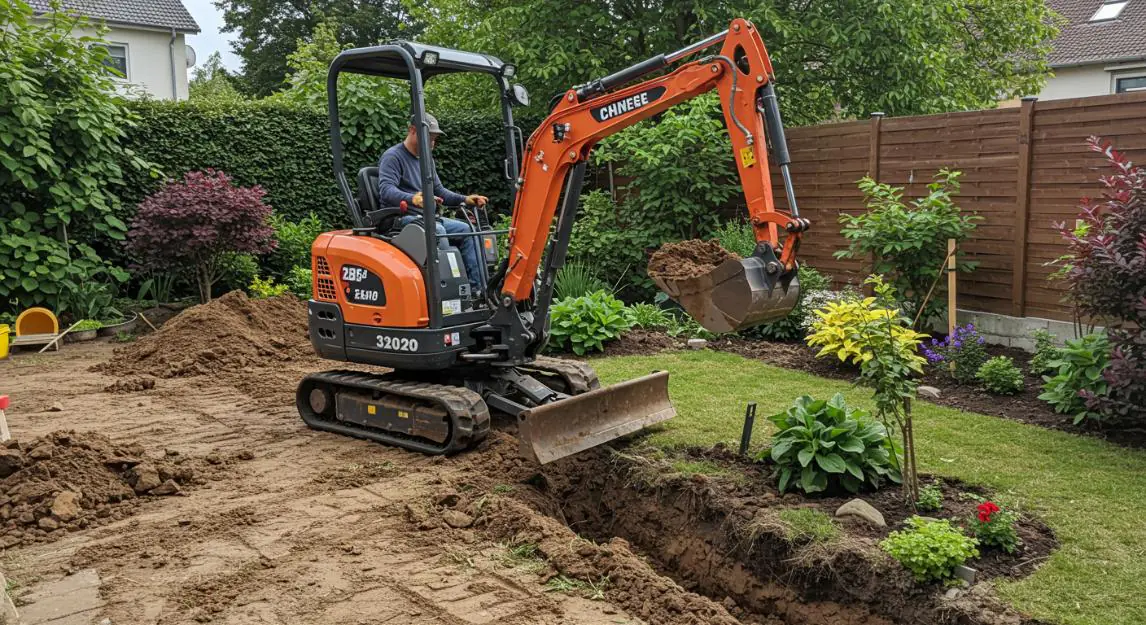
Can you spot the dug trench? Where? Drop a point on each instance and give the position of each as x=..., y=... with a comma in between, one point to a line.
x=674, y=548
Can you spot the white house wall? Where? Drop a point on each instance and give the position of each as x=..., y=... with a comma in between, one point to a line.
x=1077, y=82
x=149, y=60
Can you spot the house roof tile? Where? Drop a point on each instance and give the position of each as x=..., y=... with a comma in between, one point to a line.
x=153, y=13
x=1082, y=41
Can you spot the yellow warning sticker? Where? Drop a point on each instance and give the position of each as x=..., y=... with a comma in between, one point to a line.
x=747, y=156
x=403, y=414
x=371, y=410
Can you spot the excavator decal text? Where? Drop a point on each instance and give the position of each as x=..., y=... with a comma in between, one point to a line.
x=630, y=103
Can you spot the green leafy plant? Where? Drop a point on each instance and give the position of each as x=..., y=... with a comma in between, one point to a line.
x=124, y=337
x=87, y=324
x=931, y=497
x=821, y=444
x=683, y=325
x=846, y=330
x=909, y=241
x=880, y=340
x=575, y=279
x=1078, y=369
x=300, y=281
x=650, y=317
x=930, y=549
x=995, y=527
x=586, y=323
x=91, y=299
x=294, y=241
x=159, y=286
x=1046, y=350
x=261, y=288
x=1000, y=376
x=737, y=237
x=62, y=157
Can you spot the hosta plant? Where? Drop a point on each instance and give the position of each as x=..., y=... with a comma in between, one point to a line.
x=821, y=444
x=584, y=324
x=845, y=329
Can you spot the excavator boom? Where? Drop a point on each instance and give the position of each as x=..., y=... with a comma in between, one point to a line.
x=729, y=298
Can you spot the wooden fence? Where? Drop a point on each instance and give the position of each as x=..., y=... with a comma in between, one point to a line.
x=1025, y=168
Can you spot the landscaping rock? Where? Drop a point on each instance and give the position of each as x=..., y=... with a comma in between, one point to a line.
x=40, y=452
x=860, y=509
x=56, y=407
x=144, y=477
x=66, y=505
x=454, y=518
x=697, y=343
x=48, y=523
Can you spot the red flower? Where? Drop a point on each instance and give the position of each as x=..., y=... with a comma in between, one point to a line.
x=986, y=509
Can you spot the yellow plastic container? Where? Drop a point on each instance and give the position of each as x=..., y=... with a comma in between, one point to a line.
x=3, y=341
x=37, y=321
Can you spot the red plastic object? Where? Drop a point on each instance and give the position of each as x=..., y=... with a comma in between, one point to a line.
x=3, y=402
x=405, y=207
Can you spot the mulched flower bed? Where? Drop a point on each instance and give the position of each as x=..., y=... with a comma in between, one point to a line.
x=1024, y=407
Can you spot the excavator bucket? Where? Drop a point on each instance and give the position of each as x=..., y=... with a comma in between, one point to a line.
x=574, y=424
x=735, y=295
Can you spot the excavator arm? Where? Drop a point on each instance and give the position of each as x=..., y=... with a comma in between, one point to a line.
x=556, y=153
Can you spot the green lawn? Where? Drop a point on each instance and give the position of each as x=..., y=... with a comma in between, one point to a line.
x=1093, y=494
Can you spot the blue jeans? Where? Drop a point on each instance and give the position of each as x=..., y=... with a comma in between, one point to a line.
x=468, y=245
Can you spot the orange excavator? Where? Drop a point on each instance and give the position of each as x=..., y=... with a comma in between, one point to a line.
x=399, y=297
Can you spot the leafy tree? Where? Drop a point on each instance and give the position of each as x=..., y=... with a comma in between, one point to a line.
x=61, y=158
x=213, y=82
x=198, y=224
x=373, y=112
x=845, y=58
x=909, y=241
x=269, y=31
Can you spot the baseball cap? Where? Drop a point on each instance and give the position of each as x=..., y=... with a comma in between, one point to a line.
x=431, y=121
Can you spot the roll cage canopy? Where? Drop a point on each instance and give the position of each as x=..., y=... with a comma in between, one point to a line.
x=390, y=60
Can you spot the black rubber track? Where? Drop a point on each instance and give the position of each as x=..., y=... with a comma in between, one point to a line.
x=469, y=416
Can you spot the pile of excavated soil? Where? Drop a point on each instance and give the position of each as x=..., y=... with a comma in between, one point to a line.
x=67, y=481
x=687, y=259
x=230, y=334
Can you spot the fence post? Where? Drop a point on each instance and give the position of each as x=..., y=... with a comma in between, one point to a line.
x=1022, y=208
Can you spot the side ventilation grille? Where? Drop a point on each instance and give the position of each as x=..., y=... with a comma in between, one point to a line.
x=323, y=285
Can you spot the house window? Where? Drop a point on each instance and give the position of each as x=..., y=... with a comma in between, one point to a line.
x=1109, y=11
x=1130, y=83
x=116, y=58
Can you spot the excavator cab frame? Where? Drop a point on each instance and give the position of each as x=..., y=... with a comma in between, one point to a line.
x=417, y=63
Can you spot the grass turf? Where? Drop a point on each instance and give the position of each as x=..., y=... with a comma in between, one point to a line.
x=1092, y=493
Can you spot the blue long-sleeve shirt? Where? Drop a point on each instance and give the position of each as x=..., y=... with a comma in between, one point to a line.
x=400, y=177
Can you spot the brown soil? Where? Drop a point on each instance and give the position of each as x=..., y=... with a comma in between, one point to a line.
x=718, y=552
x=67, y=481
x=687, y=259
x=292, y=525
x=1024, y=407
x=229, y=334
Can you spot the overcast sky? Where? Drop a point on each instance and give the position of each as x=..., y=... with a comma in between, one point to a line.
x=211, y=38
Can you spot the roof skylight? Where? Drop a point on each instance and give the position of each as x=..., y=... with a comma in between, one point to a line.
x=1109, y=10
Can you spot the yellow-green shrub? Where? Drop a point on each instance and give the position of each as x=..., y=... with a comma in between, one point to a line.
x=844, y=329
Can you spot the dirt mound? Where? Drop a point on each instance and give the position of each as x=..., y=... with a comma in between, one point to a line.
x=131, y=384
x=67, y=481
x=687, y=259
x=231, y=333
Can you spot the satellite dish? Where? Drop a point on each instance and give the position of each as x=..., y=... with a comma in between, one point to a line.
x=190, y=56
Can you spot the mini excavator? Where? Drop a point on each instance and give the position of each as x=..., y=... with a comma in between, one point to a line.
x=398, y=296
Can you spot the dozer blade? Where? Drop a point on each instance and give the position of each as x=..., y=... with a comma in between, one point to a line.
x=574, y=424
x=736, y=295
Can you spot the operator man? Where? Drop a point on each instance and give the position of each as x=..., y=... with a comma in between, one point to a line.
x=400, y=179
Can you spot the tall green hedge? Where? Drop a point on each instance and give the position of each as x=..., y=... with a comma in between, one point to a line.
x=286, y=149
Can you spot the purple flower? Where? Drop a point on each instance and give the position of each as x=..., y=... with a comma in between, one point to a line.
x=957, y=344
